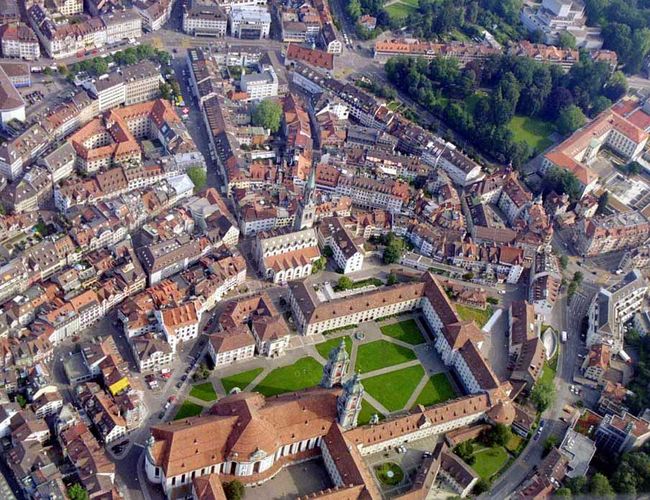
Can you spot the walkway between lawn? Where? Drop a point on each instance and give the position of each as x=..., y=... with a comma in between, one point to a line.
x=378, y=406
x=416, y=393
x=389, y=369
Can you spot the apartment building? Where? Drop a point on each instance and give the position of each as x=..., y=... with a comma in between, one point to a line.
x=229, y=5
x=131, y=85
x=347, y=253
x=151, y=354
x=261, y=85
x=619, y=434
x=16, y=153
x=614, y=306
x=19, y=40
x=205, y=18
x=179, y=324
x=68, y=7
x=525, y=346
x=545, y=282
x=250, y=23
x=462, y=51
x=154, y=13
x=460, y=168
x=621, y=231
x=373, y=193
x=122, y=25
x=285, y=255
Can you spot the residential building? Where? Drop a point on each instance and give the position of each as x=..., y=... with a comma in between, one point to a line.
x=545, y=282
x=179, y=323
x=261, y=85
x=19, y=40
x=347, y=253
x=122, y=25
x=151, y=354
x=154, y=13
x=614, y=306
x=619, y=434
x=231, y=345
x=611, y=233
x=462, y=51
x=460, y=168
x=48, y=403
x=579, y=450
x=250, y=23
x=372, y=193
x=596, y=362
x=525, y=345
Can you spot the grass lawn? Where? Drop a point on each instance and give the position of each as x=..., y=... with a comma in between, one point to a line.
x=324, y=348
x=240, y=380
x=389, y=473
x=204, y=392
x=399, y=11
x=406, y=331
x=489, y=461
x=367, y=411
x=548, y=373
x=532, y=131
x=305, y=372
x=480, y=316
x=380, y=354
x=188, y=409
x=513, y=443
x=394, y=105
x=394, y=389
x=437, y=390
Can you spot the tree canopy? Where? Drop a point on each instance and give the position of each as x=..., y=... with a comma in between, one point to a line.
x=570, y=119
x=268, y=114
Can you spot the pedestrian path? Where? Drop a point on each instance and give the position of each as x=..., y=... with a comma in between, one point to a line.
x=416, y=392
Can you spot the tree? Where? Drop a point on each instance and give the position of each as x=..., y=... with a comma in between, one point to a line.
x=344, y=283
x=391, y=279
x=564, y=261
x=465, y=450
x=577, y=485
x=165, y=91
x=549, y=444
x=633, y=168
x=500, y=434
x=543, y=394
x=319, y=264
x=268, y=114
x=616, y=87
x=562, y=492
x=570, y=119
x=21, y=400
x=603, y=199
x=354, y=9
x=63, y=69
x=394, y=249
x=77, y=492
x=558, y=99
x=481, y=486
x=468, y=276
x=48, y=71
x=566, y=40
x=198, y=177
x=99, y=66
x=599, y=486
x=234, y=490
x=578, y=277
x=599, y=104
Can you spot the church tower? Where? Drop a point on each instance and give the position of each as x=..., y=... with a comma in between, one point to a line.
x=336, y=367
x=348, y=405
x=306, y=212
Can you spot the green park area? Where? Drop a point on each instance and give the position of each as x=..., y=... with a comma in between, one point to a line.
x=188, y=409
x=381, y=354
x=479, y=316
x=304, y=373
x=204, y=392
x=437, y=390
x=532, y=131
x=389, y=474
x=240, y=380
x=324, y=348
x=394, y=389
x=406, y=331
x=399, y=10
x=489, y=461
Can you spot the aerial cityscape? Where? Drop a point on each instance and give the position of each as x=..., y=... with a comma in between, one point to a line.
x=327, y=249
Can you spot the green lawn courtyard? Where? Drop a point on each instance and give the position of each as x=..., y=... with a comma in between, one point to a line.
x=532, y=131
x=479, y=316
x=381, y=354
x=489, y=461
x=304, y=373
x=394, y=389
x=188, y=409
x=240, y=380
x=437, y=390
x=204, y=392
x=400, y=10
x=324, y=348
x=406, y=331
x=367, y=411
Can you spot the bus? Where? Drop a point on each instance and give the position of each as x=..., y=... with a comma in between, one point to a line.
x=564, y=336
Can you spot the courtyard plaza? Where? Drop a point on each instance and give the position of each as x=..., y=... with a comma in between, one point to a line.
x=398, y=366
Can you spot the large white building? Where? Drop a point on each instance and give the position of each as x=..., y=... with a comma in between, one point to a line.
x=180, y=323
x=12, y=107
x=612, y=307
x=18, y=40
x=250, y=23
x=347, y=254
x=372, y=193
x=122, y=25
x=461, y=169
x=284, y=255
x=205, y=18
